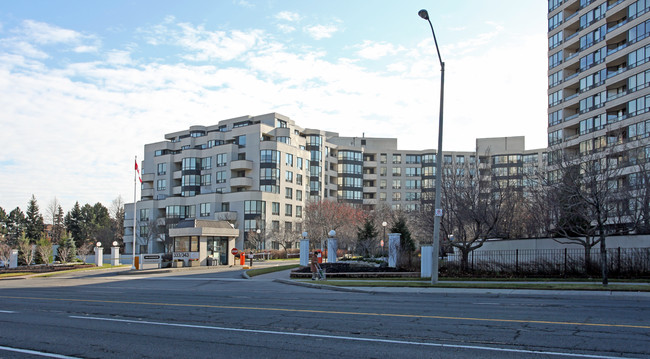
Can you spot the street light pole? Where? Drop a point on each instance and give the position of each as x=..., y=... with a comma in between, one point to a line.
x=438, y=211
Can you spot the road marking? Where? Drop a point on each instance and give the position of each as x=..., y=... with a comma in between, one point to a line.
x=390, y=315
x=7, y=311
x=359, y=339
x=34, y=352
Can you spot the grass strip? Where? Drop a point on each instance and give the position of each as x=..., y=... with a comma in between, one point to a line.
x=487, y=285
x=260, y=271
x=14, y=274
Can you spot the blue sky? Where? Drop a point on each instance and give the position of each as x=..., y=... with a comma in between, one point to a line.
x=85, y=84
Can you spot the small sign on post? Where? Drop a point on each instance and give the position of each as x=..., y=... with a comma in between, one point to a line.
x=234, y=251
x=438, y=212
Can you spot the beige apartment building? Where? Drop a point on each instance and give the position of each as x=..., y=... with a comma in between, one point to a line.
x=599, y=72
x=259, y=172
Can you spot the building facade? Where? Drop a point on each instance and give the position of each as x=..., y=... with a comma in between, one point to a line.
x=599, y=72
x=259, y=173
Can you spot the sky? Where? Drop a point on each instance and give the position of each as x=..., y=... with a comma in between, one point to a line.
x=84, y=85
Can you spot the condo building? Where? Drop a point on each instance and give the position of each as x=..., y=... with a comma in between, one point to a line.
x=599, y=72
x=259, y=172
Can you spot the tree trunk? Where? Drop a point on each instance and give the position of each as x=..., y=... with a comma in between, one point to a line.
x=587, y=257
x=603, y=259
x=464, y=262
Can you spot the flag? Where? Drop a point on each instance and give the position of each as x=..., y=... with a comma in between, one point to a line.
x=137, y=170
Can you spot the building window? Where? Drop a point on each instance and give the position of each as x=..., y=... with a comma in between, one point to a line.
x=288, y=193
x=269, y=156
x=298, y=179
x=225, y=207
x=221, y=177
x=288, y=176
x=397, y=184
x=288, y=159
x=206, y=163
x=205, y=209
x=275, y=208
x=397, y=171
x=383, y=158
x=161, y=184
x=206, y=180
x=222, y=159
x=288, y=209
x=397, y=159
x=254, y=207
x=397, y=196
x=299, y=211
x=298, y=195
x=144, y=214
x=162, y=168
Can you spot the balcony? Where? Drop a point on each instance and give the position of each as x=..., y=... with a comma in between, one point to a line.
x=241, y=165
x=241, y=182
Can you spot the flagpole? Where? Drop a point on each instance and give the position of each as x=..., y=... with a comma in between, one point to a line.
x=135, y=175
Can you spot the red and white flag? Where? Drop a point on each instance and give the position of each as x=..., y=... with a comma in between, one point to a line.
x=137, y=170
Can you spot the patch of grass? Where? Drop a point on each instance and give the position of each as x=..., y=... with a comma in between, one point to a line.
x=260, y=271
x=487, y=285
x=519, y=279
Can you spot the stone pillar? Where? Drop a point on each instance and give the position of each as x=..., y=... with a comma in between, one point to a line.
x=304, y=252
x=99, y=256
x=393, y=249
x=13, y=259
x=115, y=256
x=425, y=261
x=332, y=247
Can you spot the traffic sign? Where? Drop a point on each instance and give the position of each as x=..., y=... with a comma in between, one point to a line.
x=234, y=251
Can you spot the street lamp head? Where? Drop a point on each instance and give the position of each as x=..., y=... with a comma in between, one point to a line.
x=115, y=243
x=259, y=231
x=98, y=244
x=384, y=224
x=304, y=234
x=423, y=14
x=332, y=233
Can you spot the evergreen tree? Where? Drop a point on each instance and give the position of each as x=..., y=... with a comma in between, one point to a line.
x=366, y=238
x=67, y=249
x=406, y=242
x=58, y=227
x=34, y=224
x=3, y=223
x=15, y=226
x=74, y=222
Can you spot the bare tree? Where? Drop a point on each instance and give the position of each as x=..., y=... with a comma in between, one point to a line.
x=85, y=250
x=473, y=206
x=44, y=249
x=52, y=209
x=5, y=253
x=585, y=192
x=324, y=216
x=26, y=250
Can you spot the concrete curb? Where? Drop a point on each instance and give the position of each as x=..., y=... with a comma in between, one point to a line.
x=322, y=286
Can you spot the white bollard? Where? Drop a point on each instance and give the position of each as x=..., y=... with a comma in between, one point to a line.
x=425, y=261
x=115, y=256
x=393, y=249
x=99, y=256
x=13, y=260
x=332, y=248
x=304, y=252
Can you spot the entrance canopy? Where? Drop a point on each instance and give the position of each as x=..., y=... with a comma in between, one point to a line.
x=210, y=235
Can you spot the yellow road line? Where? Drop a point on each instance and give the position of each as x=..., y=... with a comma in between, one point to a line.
x=337, y=312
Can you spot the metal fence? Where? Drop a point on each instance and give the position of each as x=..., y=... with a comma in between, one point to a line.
x=620, y=261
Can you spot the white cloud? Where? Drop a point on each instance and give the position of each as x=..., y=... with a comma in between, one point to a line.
x=376, y=50
x=288, y=16
x=43, y=33
x=319, y=32
x=285, y=28
x=203, y=44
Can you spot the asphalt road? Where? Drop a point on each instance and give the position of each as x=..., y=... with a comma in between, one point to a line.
x=211, y=314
